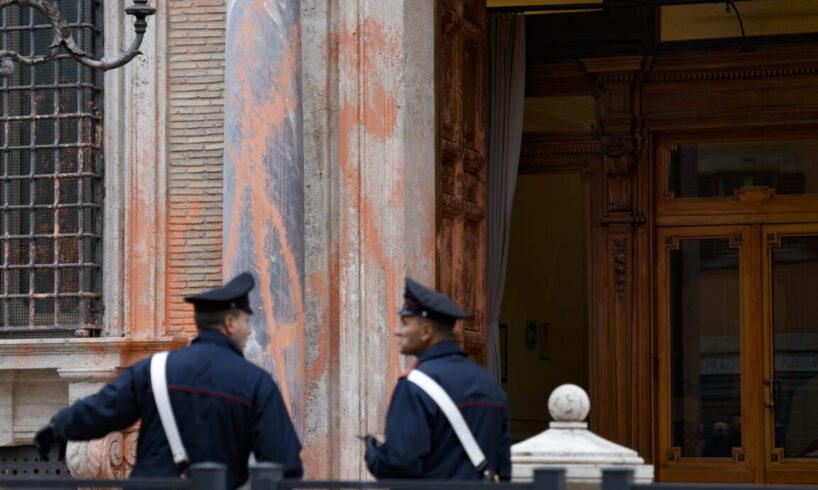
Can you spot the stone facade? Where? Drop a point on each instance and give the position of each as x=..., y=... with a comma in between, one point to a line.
x=366, y=217
x=163, y=148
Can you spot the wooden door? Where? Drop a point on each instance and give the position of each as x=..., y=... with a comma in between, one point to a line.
x=461, y=190
x=709, y=420
x=738, y=353
x=790, y=318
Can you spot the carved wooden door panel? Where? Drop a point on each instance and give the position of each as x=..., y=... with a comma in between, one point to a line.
x=461, y=214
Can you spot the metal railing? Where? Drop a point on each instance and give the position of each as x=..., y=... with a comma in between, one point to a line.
x=204, y=476
x=270, y=476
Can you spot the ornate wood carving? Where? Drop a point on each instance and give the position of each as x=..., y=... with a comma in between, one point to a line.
x=620, y=153
x=554, y=152
x=461, y=235
x=620, y=269
x=618, y=83
x=618, y=86
x=730, y=64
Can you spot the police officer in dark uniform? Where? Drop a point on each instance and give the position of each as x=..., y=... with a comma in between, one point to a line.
x=225, y=406
x=420, y=442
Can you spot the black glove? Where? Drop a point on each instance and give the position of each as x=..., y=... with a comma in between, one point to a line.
x=61, y=454
x=44, y=440
x=372, y=444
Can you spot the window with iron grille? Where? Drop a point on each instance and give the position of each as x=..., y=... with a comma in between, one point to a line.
x=51, y=192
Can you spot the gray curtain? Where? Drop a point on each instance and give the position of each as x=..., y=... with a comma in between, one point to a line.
x=506, y=83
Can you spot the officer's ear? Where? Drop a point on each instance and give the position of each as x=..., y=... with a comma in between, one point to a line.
x=427, y=329
x=229, y=324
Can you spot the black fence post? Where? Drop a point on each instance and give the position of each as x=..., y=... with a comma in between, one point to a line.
x=549, y=479
x=265, y=475
x=617, y=479
x=208, y=476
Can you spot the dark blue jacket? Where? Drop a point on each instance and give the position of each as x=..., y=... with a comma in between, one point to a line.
x=420, y=443
x=225, y=407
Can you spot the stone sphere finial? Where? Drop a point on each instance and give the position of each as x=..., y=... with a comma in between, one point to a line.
x=569, y=403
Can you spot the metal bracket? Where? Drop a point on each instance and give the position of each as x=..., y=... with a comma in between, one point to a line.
x=63, y=38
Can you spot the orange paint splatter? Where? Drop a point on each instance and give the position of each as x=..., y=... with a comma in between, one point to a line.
x=270, y=110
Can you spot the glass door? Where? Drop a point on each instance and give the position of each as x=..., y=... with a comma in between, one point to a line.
x=709, y=424
x=791, y=348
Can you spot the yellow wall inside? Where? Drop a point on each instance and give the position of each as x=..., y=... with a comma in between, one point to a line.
x=761, y=18
x=546, y=282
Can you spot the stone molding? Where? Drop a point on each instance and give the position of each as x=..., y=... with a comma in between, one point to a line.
x=40, y=376
x=88, y=355
x=135, y=208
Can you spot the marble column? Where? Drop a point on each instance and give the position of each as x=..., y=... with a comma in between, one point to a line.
x=370, y=147
x=263, y=183
x=330, y=241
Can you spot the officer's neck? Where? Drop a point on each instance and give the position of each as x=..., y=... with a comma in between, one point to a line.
x=435, y=341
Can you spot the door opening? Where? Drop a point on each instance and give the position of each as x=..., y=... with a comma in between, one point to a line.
x=544, y=316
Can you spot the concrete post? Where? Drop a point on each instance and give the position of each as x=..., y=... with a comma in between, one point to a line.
x=264, y=184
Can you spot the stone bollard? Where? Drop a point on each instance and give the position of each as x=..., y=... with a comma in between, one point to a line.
x=569, y=444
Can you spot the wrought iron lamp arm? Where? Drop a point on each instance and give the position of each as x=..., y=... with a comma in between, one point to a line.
x=63, y=37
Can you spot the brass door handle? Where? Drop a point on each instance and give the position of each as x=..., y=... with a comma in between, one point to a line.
x=770, y=401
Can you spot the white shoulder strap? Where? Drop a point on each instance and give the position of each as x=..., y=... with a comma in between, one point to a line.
x=159, y=385
x=444, y=401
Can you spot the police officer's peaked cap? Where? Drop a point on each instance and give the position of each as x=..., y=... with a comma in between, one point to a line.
x=231, y=296
x=425, y=302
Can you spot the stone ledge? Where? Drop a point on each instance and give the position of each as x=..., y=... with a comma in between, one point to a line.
x=81, y=353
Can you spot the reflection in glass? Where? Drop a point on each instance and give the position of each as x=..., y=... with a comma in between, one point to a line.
x=704, y=329
x=720, y=169
x=795, y=343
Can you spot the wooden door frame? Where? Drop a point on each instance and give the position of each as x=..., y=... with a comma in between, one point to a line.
x=782, y=470
x=751, y=206
x=671, y=465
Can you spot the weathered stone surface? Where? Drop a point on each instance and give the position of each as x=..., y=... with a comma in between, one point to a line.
x=263, y=184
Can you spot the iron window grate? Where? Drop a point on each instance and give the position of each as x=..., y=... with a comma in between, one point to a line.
x=51, y=183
